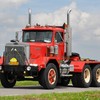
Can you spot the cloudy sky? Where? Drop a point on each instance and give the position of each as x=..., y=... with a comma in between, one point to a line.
x=85, y=21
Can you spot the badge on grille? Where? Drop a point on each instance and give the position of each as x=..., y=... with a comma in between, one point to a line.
x=13, y=61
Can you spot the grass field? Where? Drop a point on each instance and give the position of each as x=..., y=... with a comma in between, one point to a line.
x=94, y=95
x=25, y=83
x=91, y=95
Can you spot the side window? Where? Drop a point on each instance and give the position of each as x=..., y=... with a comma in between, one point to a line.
x=26, y=37
x=59, y=37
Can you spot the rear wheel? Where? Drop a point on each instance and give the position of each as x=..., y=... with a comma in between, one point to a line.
x=82, y=79
x=86, y=75
x=96, y=76
x=65, y=81
x=75, y=80
x=48, y=77
x=8, y=80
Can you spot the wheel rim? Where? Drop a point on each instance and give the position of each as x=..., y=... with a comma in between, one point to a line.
x=52, y=76
x=87, y=75
x=98, y=75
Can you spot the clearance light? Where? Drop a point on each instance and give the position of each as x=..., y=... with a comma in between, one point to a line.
x=35, y=65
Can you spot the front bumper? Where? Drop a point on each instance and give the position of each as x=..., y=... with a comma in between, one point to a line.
x=30, y=70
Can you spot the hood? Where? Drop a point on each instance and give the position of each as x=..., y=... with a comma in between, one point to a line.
x=37, y=50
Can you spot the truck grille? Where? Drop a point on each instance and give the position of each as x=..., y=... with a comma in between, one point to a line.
x=14, y=55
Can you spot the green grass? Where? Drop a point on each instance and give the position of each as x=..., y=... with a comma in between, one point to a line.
x=25, y=83
x=93, y=95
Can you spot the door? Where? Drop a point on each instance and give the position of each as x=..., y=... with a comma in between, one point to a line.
x=59, y=41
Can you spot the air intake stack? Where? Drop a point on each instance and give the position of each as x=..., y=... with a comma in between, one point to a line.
x=68, y=36
x=29, y=17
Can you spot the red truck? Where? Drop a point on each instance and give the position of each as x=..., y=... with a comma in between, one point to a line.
x=45, y=55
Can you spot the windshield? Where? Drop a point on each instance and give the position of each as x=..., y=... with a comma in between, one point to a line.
x=37, y=36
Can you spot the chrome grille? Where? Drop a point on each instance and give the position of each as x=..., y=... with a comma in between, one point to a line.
x=15, y=51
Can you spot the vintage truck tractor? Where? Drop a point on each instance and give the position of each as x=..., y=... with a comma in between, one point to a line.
x=45, y=55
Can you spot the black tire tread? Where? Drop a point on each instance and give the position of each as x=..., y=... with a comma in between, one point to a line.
x=75, y=80
x=43, y=77
x=65, y=81
x=94, y=81
x=78, y=79
x=5, y=82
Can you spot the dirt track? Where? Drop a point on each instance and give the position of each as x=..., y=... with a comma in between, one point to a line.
x=40, y=90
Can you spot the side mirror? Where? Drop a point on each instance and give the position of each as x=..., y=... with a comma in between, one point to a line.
x=16, y=36
x=12, y=40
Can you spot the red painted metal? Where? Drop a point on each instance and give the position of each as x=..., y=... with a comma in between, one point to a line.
x=79, y=65
x=38, y=51
x=1, y=60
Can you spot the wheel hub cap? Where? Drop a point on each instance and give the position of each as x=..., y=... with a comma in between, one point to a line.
x=52, y=76
x=86, y=75
x=98, y=75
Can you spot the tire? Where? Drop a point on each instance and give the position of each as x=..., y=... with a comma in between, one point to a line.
x=40, y=77
x=49, y=77
x=83, y=79
x=8, y=80
x=75, y=80
x=96, y=76
x=65, y=81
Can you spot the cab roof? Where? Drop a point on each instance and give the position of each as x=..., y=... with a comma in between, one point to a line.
x=38, y=27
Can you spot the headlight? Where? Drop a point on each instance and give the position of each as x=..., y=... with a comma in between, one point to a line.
x=28, y=68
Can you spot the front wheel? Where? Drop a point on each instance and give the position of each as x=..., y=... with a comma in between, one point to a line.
x=8, y=80
x=49, y=77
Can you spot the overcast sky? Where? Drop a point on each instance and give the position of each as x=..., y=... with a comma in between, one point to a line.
x=85, y=21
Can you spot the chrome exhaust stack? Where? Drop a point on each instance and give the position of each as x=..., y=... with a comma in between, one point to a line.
x=68, y=16
x=68, y=36
x=65, y=66
x=29, y=18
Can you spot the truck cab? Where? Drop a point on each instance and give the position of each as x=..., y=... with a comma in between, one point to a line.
x=46, y=43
